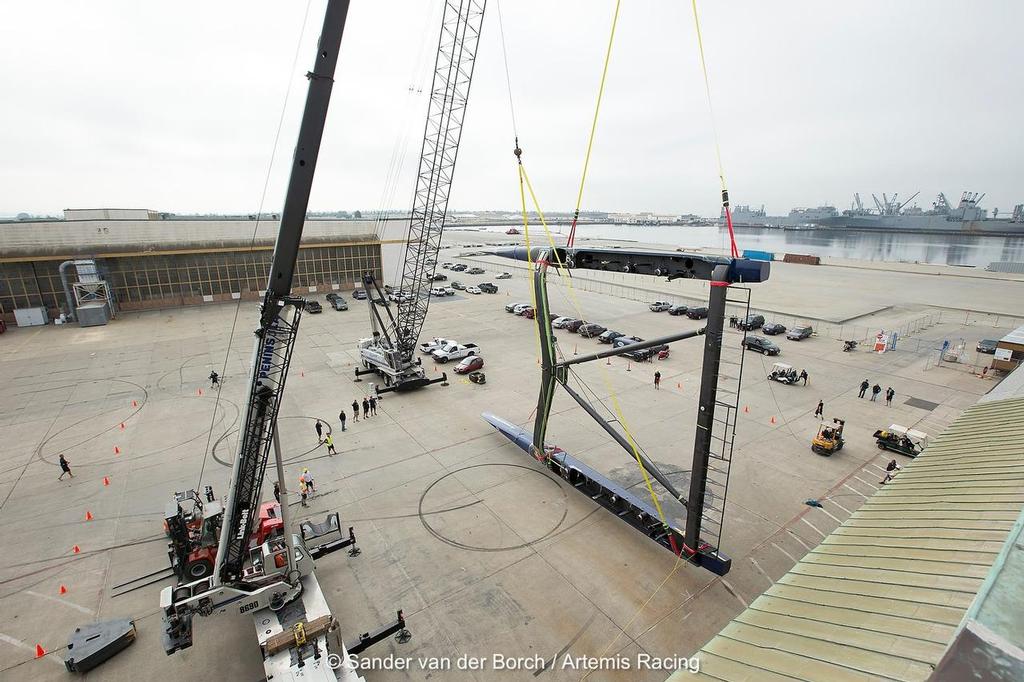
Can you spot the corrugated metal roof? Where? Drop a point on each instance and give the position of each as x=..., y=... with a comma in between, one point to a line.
x=881, y=596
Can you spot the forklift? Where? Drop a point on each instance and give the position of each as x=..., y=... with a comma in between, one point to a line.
x=829, y=438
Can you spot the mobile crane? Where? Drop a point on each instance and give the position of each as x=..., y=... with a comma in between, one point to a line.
x=275, y=580
x=391, y=350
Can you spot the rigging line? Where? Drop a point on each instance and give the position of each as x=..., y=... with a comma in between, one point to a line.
x=593, y=125
x=714, y=132
x=604, y=376
x=252, y=241
x=508, y=78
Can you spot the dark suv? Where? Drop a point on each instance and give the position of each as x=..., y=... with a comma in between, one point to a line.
x=488, y=288
x=797, y=333
x=575, y=325
x=591, y=330
x=697, y=313
x=678, y=310
x=609, y=336
x=761, y=345
x=750, y=322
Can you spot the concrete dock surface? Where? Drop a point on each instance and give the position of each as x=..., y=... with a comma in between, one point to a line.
x=484, y=550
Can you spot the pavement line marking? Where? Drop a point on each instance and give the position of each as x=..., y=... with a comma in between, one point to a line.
x=791, y=557
x=799, y=539
x=13, y=641
x=65, y=602
x=856, y=491
x=880, y=469
x=734, y=592
x=832, y=515
x=870, y=485
x=761, y=571
x=829, y=499
x=813, y=527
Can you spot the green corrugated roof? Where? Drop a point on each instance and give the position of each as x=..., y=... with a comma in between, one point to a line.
x=881, y=596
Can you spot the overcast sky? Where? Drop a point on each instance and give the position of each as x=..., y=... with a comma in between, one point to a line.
x=174, y=106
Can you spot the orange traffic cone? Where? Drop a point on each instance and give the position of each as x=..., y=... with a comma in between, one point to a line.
x=106, y=481
x=679, y=385
x=199, y=391
x=122, y=426
x=746, y=408
x=135, y=403
x=75, y=549
x=63, y=589
x=302, y=373
x=117, y=450
x=773, y=420
x=40, y=651
x=88, y=515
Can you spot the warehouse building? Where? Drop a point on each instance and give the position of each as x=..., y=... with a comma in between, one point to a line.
x=149, y=260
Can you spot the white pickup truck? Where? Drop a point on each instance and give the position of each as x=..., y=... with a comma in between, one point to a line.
x=437, y=342
x=455, y=351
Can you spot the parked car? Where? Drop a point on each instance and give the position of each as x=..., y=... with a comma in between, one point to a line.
x=458, y=267
x=438, y=277
x=359, y=294
x=773, y=328
x=697, y=313
x=458, y=285
x=575, y=325
x=644, y=354
x=591, y=330
x=801, y=332
x=561, y=322
x=473, y=290
x=338, y=303
x=488, y=288
x=609, y=336
x=331, y=295
x=660, y=306
x=455, y=351
x=313, y=307
x=987, y=346
x=448, y=291
x=475, y=271
x=625, y=341
x=470, y=364
x=750, y=322
x=761, y=345
x=446, y=265
x=678, y=310
x=518, y=310
x=504, y=275
x=511, y=307
x=429, y=347
x=437, y=291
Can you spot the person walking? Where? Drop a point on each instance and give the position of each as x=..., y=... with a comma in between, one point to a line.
x=875, y=390
x=214, y=378
x=277, y=492
x=891, y=469
x=863, y=388
x=366, y=408
x=889, y=395
x=319, y=431
x=657, y=380
x=373, y=405
x=302, y=491
x=355, y=410
x=65, y=468
x=341, y=418
x=820, y=411
x=803, y=375
x=330, y=445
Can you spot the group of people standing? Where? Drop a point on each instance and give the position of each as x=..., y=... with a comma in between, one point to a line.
x=875, y=390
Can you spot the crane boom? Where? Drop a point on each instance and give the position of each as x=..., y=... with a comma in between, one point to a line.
x=280, y=312
x=391, y=352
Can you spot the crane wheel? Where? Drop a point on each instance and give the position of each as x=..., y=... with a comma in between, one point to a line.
x=200, y=568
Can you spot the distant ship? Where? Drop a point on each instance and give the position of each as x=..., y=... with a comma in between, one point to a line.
x=890, y=214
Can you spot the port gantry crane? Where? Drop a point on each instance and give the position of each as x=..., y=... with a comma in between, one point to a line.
x=391, y=351
x=275, y=581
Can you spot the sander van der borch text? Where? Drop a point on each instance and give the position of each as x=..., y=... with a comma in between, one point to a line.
x=505, y=663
